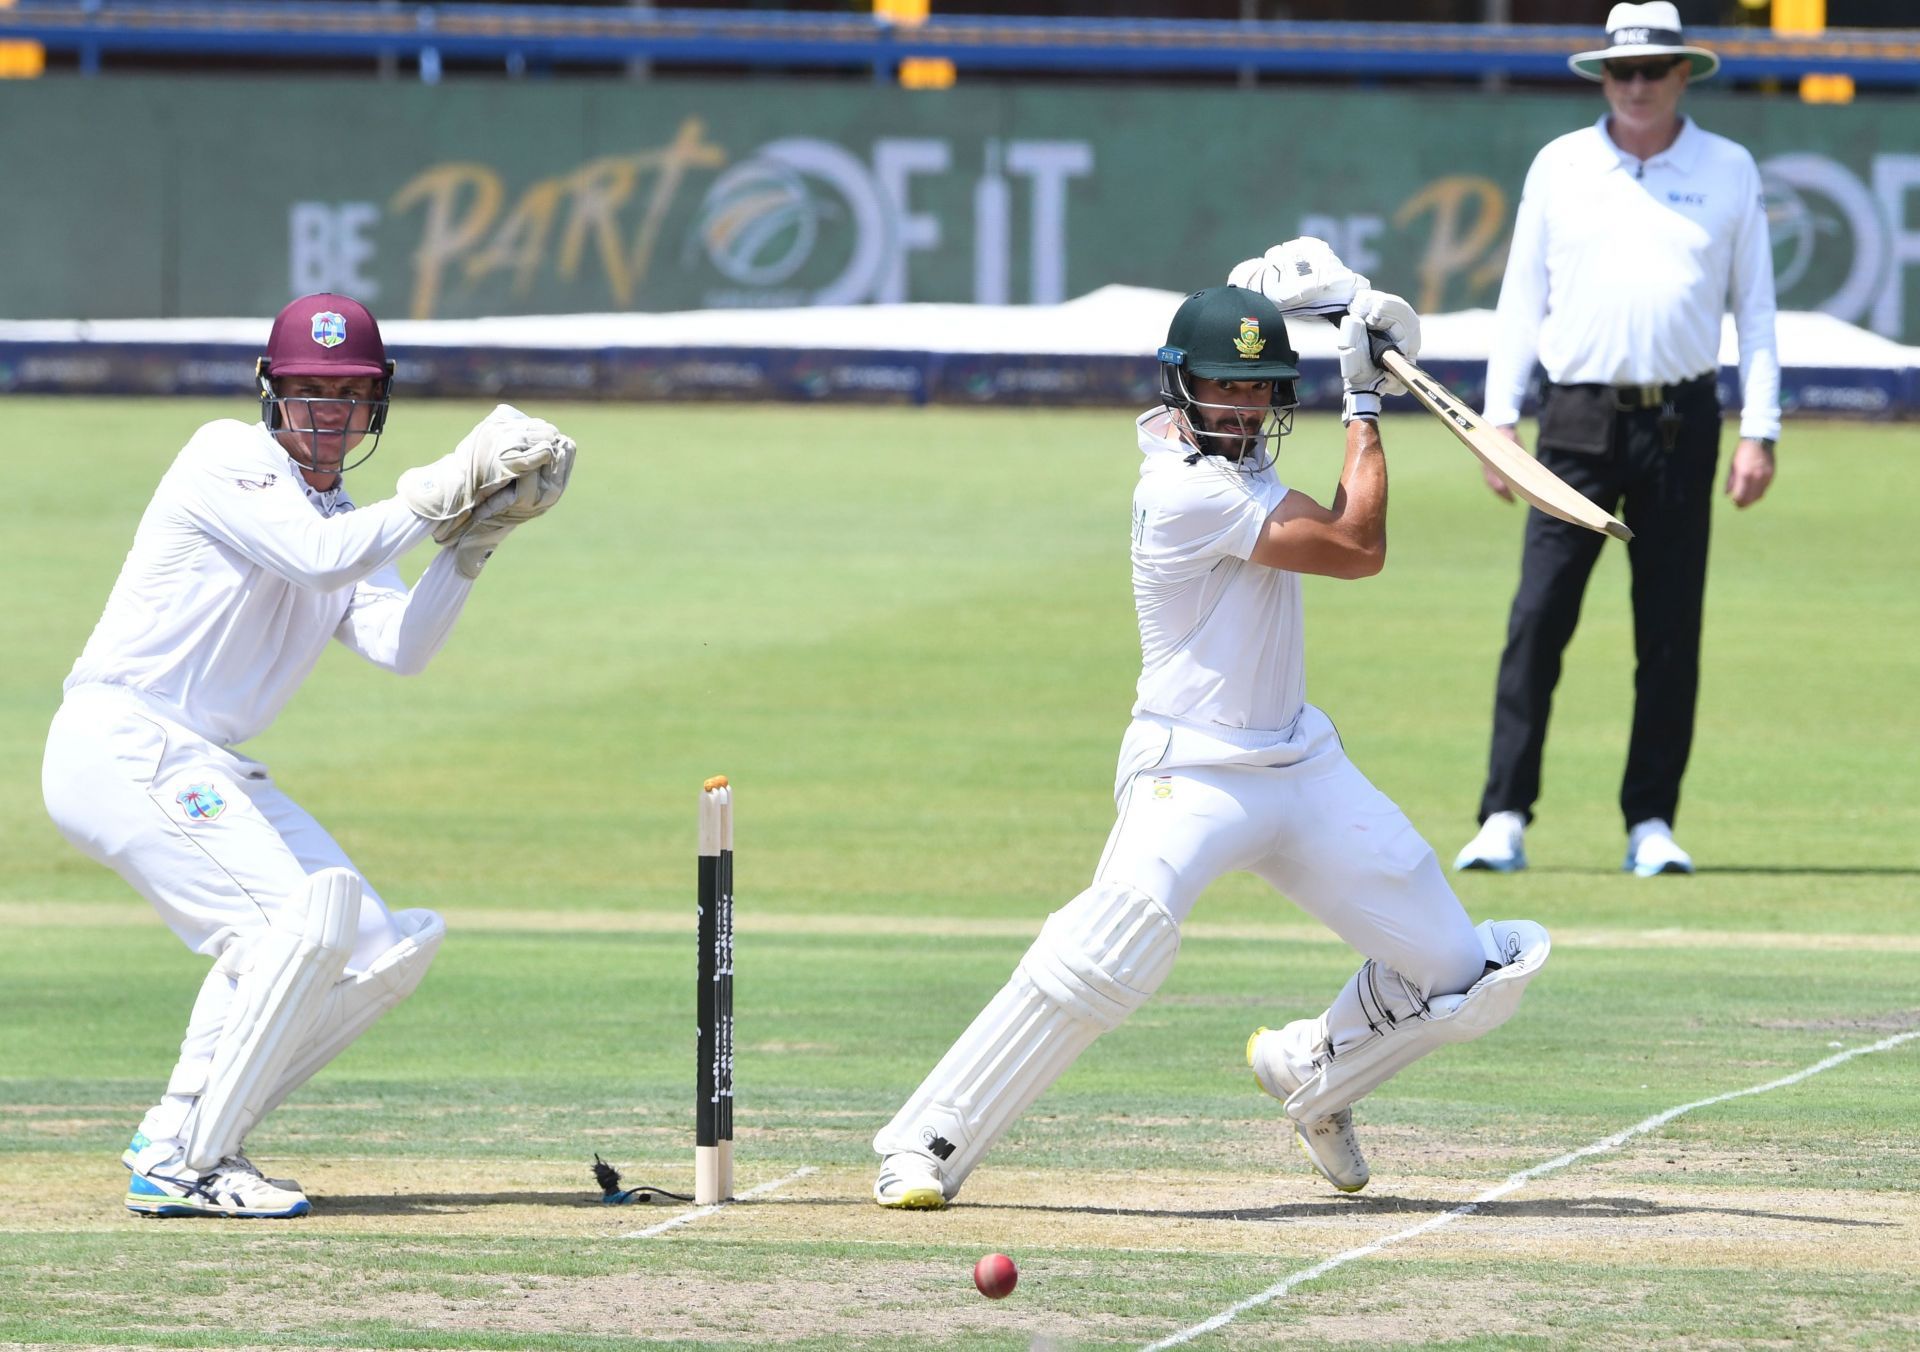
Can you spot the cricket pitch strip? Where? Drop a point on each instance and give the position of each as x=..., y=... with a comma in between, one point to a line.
x=446, y=1246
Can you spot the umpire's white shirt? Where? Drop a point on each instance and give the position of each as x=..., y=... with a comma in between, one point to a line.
x=1220, y=641
x=239, y=574
x=1620, y=271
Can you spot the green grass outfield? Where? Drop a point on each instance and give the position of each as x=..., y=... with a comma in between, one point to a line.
x=907, y=637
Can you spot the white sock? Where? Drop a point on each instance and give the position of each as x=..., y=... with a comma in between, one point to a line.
x=167, y=1119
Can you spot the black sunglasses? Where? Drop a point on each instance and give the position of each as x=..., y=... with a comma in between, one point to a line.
x=1626, y=71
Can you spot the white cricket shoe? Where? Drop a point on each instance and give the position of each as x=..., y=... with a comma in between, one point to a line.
x=1330, y=1144
x=170, y=1188
x=909, y=1182
x=1651, y=850
x=130, y=1157
x=1498, y=847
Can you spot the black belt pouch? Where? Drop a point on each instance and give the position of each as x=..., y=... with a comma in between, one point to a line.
x=1577, y=418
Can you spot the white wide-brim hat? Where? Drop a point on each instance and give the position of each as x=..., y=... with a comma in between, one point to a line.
x=1644, y=30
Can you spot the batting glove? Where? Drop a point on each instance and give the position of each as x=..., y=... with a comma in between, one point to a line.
x=1390, y=316
x=1363, y=380
x=1302, y=277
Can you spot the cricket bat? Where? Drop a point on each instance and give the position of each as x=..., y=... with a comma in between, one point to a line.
x=1526, y=476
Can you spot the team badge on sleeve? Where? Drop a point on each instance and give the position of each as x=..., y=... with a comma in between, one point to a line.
x=329, y=329
x=201, y=802
x=1248, y=344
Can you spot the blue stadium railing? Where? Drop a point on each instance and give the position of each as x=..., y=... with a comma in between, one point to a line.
x=558, y=36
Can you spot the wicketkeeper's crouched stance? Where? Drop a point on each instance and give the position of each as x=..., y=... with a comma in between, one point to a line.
x=1226, y=767
x=248, y=560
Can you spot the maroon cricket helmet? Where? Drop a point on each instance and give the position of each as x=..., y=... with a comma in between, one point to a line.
x=326, y=335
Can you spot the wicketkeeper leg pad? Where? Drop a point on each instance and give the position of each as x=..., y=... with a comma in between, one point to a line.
x=1380, y=1024
x=1097, y=959
x=281, y=978
x=356, y=1002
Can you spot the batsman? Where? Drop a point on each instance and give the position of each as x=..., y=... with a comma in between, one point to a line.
x=1225, y=766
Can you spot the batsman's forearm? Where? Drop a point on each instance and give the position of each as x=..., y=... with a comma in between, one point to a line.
x=1360, y=503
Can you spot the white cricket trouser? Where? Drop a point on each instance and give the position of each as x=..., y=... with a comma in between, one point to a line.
x=1194, y=803
x=200, y=832
x=1313, y=827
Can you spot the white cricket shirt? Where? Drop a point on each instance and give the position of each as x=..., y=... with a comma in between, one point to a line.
x=1620, y=270
x=239, y=574
x=1220, y=638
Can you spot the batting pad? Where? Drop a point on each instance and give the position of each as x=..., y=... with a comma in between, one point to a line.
x=353, y=1005
x=1378, y=1025
x=280, y=978
x=1098, y=958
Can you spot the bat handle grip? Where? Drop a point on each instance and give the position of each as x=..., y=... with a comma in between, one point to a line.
x=1378, y=344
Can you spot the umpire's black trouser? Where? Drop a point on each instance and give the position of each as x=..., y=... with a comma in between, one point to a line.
x=1601, y=441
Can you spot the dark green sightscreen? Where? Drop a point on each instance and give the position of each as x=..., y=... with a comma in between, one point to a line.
x=154, y=197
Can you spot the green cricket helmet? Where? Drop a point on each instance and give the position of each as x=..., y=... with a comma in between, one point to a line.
x=1230, y=333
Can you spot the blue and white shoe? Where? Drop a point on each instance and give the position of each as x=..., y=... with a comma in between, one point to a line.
x=130, y=1157
x=167, y=1187
x=1498, y=847
x=1651, y=851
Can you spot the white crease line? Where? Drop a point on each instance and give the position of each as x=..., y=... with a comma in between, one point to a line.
x=1513, y=1184
x=698, y=1212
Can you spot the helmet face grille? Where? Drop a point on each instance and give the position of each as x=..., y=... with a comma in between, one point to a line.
x=332, y=336
x=1250, y=452
x=311, y=420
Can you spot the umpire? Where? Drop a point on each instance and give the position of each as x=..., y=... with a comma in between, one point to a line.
x=1633, y=237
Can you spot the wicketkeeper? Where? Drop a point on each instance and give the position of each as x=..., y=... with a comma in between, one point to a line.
x=1227, y=767
x=248, y=560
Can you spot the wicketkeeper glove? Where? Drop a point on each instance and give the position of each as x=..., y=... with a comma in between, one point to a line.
x=536, y=494
x=518, y=502
x=505, y=446
x=487, y=526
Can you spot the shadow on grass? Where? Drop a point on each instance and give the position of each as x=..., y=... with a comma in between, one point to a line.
x=456, y=1203
x=1737, y=870
x=1813, y=870
x=1583, y=1208
x=1384, y=1204
x=452, y=1203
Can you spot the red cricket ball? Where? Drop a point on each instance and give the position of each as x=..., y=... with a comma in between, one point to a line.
x=996, y=1276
